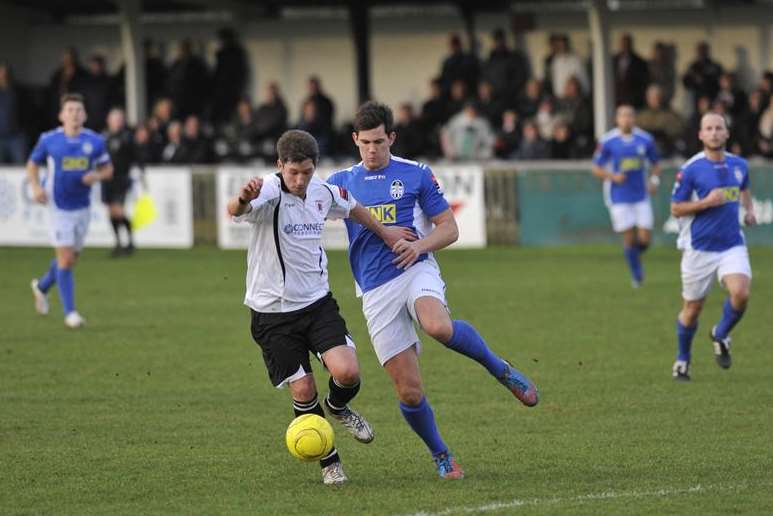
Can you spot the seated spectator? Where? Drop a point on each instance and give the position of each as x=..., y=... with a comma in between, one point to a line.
x=490, y=107
x=239, y=139
x=467, y=136
x=532, y=146
x=528, y=103
x=270, y=122
x=691, y=143
x=665, y=125
x=318, y=128
x=546, y=118
x=324, y=107
x=734, y=98
x=562, y=143
x=458, y=98
x=508, y=136
x=747, y=125
x=173, y=151
x=196, y=145
x=410, y=136
x=575, y=109
x=160, y=119
x=146, y=151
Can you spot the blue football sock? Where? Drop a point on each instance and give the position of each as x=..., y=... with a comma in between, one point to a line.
x=49, y=278
x=730, y=317
x=467, y=341
x=66, y=286
x=422, y=420
x=684, y=337
x=634, y=263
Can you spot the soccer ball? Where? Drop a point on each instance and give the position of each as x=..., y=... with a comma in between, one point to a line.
x=309, y=437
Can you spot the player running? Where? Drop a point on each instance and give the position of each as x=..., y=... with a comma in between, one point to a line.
x=709, y=190
x=76, y=158
x=627, y=149
x=404, y=286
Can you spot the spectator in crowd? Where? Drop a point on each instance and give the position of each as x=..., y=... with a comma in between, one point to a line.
x=155, y=73
x=532, y=146
x=631, y=74
x=490, y=106
x=239, y=140
x=173, y=151
x=459, y=66
x=566, y=64
x=468, y=136
x=766, y=130
x=576, y=111
x=410, y=134
x=458, y=99
x=546, y=118
x=230, y=78
x=196, y=145
x=12, y=146
x=508, y=135
x=98, y=93
x=189, y=83
x=561, y=142
x=662, y=122
x=505, y=70
x=68, y=78
x=146, y=150
x=324, y=107
x=748, y=124
x=547, y=64
x=662, y=70
x=159, y=121
x=433, y=116
x=733, y=97
x=313, y=124
x=270, y=122
x=691, y=142
x=702, y=77
x=529, y=101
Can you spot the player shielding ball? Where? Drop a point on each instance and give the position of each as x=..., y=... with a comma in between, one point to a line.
x=293, y=310
x=628, y=152
x=710, y=188
x=401, y=284
x=76, y=158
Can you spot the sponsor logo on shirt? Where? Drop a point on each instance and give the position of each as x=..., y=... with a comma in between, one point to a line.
x=397, y=189
x=374, y=176
x=307, y=230
x=732, y=193
x=628, y=164
x=319, y=206
x=384, y=213
x=75, y=163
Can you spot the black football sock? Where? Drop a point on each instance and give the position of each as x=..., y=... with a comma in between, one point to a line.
x=116, y=223
x=128, y=226
x=340, y=395
x=313, y=407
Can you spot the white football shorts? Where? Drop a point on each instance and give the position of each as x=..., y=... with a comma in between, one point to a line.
x=69, y=227
x=628, y=215
x=699, y=267
x=390, y=308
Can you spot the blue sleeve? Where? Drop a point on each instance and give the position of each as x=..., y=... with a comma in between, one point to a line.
x=745, y=182
x=40, y=152
x=334, y=179
x=683, y=187
x=602, y=155
x=101, y=156
x=652, y=152
x=431, y=199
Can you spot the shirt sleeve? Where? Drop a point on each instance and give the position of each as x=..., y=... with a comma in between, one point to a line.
x=101, y=156
x=602, y=155
x=342, y=203
x=260, y=206
x=431, y=198
x=745, y=181
x=652, y=152
x=683, y=187
x=40, y=152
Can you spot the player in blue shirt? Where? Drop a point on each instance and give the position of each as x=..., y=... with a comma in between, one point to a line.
x=403, y=284
x=621, y=160
x=76, y=158
x=710, y=188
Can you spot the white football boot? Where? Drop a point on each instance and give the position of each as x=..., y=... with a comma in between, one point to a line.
x=74, y=320
x=41, y=300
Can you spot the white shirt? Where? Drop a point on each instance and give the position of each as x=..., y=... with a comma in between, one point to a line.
x=286, y=264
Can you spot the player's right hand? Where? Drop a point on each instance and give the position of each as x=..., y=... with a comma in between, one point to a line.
x=251, y=189
x=39, y=195
x=716, y=197
x=618, y=178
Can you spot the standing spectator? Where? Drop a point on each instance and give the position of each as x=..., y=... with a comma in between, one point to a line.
x=662, y=70
x=459, y=65
x=733, y=97
x=748, y=125
x=532, y=146
x=11, y=137
x=547, y=63
x=528, y=103
x=566, y=64
x=575, y=110
x=468, y=136
x=433, y=116
x=508, y=136
x=270, y=122
x=410, y=135
x=313, y=124
x=702, y=77
x=230, y=78
x=662, y=122
x=68, y=78
x=324, y=107
x=505, y=70
x=631, y=74
x=691, y=142
x=121, y=148
x=155, y=73
x=766, y=131
x=196, y=145
x=98, y=92
x=490, y=106
x=189, y=82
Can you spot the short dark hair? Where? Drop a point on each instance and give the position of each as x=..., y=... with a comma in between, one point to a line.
x=297, y=146
x=71, y=97
x=373, y=114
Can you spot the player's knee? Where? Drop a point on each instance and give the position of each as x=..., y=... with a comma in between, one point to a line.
x=438, y=329
x=303, y=390
x=347, y=375
x=410, y=395
x=739, y=298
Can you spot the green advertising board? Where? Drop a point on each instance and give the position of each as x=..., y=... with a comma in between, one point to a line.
x=567, y=207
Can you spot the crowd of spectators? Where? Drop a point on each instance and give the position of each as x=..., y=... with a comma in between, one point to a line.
x=476, y=108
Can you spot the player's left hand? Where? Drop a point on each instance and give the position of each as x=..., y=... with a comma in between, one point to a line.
x=393, y=234
x=749, y=219
x=407, y=253
x=90, y=178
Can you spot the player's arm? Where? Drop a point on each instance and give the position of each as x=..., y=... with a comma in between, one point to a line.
x=445, y=233
x=598, y=167
x=240, y=203
x=389, y=234
x=38, y=194
x=748, y=205
x=683, y=208
x=103, y=172
x=654, y=179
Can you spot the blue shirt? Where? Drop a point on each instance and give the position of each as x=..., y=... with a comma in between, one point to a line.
x=628, y=154
x=717, y=228
x=404, y=193
x=69, y=158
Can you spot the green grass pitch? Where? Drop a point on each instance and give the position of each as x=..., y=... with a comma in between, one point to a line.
x=161, y=405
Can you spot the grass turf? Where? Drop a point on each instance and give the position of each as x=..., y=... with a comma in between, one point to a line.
x=162, y=405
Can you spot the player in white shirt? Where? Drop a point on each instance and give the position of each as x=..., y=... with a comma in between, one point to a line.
x=293, y=310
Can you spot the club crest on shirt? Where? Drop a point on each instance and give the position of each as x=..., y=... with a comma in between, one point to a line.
x=738, y=174
x=641, y=150
x=319, y=206
x=397, y=189
x=87, y=147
